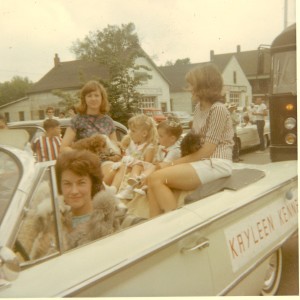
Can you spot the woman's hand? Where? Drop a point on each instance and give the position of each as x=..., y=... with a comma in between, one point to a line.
x=68, y=139
x=163, y=165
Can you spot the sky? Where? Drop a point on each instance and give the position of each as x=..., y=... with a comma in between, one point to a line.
x=32, y=31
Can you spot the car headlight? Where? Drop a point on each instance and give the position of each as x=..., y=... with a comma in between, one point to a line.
x=290, y=123
x=290, y=138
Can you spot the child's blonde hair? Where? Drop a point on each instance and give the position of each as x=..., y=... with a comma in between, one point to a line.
x=144, y=122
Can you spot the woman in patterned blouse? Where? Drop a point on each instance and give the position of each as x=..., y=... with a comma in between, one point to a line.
x=213, y=160
x=91, y=117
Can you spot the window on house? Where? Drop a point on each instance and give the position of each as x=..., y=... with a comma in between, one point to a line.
x=6, y=115
x=21, y=116
x=41, y=114
x=138, y=75
x=234, y=77
x=234, y=97
x=146, y=102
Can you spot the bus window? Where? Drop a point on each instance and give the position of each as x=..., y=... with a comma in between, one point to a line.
x=284, y=75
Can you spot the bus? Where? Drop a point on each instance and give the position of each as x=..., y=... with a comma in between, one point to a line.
x=283, y=96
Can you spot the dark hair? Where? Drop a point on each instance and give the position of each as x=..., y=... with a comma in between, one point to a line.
x=171, y=127
x=50, y=123
x=50, y=108
x=81, y=162
x=73, y=108
x=89, y=87
x=206, y=82
x=190, y=143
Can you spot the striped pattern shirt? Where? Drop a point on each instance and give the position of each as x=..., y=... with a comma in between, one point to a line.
x=47, y=148
x=215, y=127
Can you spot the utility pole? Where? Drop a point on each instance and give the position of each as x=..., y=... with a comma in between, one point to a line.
x=285, y=14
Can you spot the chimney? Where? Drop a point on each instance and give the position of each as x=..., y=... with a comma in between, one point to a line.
x=212, y=53
x=56, y=60
x=238, y=48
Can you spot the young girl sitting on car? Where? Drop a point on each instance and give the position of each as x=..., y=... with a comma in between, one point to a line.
x=139, y=155
x=169, y=133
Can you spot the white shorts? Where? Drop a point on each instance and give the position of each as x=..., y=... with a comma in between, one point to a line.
x=211, y=169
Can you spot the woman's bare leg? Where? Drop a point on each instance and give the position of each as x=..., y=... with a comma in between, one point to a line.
x=108, y=173
x=160, y=195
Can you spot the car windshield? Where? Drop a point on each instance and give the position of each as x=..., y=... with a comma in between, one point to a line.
x=9, y=177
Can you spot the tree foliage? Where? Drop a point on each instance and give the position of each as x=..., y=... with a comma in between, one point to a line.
x=68, y=100
x=178, y=62
x=15, y=89
x=117, y=48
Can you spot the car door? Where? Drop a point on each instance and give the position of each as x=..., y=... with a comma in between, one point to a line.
x=172, y=263
x=37, y=234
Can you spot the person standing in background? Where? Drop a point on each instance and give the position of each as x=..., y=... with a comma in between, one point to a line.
x=50, y=113
x=235, y=121
x=72, y=112
x=259, y=113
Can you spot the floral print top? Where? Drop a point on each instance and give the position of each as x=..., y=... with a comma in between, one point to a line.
x=88, y=125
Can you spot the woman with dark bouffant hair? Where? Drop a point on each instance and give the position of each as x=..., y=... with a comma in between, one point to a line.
x=93, y=209
x=91, y=117
x=213, y=160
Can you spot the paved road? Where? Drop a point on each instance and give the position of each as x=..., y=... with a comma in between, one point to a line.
x=289, y=284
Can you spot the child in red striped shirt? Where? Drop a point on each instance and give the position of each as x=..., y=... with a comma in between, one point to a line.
x=47, y=147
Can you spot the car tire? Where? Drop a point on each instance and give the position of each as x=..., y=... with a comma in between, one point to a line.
x=273, y=274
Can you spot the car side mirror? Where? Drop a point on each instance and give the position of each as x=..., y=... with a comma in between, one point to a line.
x=9, y=266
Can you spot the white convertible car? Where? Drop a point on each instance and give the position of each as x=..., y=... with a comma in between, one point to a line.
x=248, y=136
x=224, y=238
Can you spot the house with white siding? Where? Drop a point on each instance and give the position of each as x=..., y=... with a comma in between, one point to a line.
x=237, y=88
x=70, y=76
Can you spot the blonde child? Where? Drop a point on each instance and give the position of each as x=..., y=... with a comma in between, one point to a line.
x=139, y=154
x=169, y=133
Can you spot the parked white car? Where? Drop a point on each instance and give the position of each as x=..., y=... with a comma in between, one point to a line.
x=227, y=243
x=248, y=136
x=35, y=127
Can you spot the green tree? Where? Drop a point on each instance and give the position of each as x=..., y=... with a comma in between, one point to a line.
x=183, y=61
x=178, y=62
x=15, y=89
x=117, y=48
x=68, y=100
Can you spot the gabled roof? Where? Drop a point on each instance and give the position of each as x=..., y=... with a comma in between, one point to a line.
x=69, y=75
x=176, y=73
x=14, y=102
x=73, y=74
x=248, y=61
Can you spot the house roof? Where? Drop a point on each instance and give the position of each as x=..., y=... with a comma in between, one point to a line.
x=73, y=74
x=176, y=73
x=14, y=102
x=69, y=75
x=248, y=61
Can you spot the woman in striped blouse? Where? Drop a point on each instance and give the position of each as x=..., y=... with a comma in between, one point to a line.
x=214, y=159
